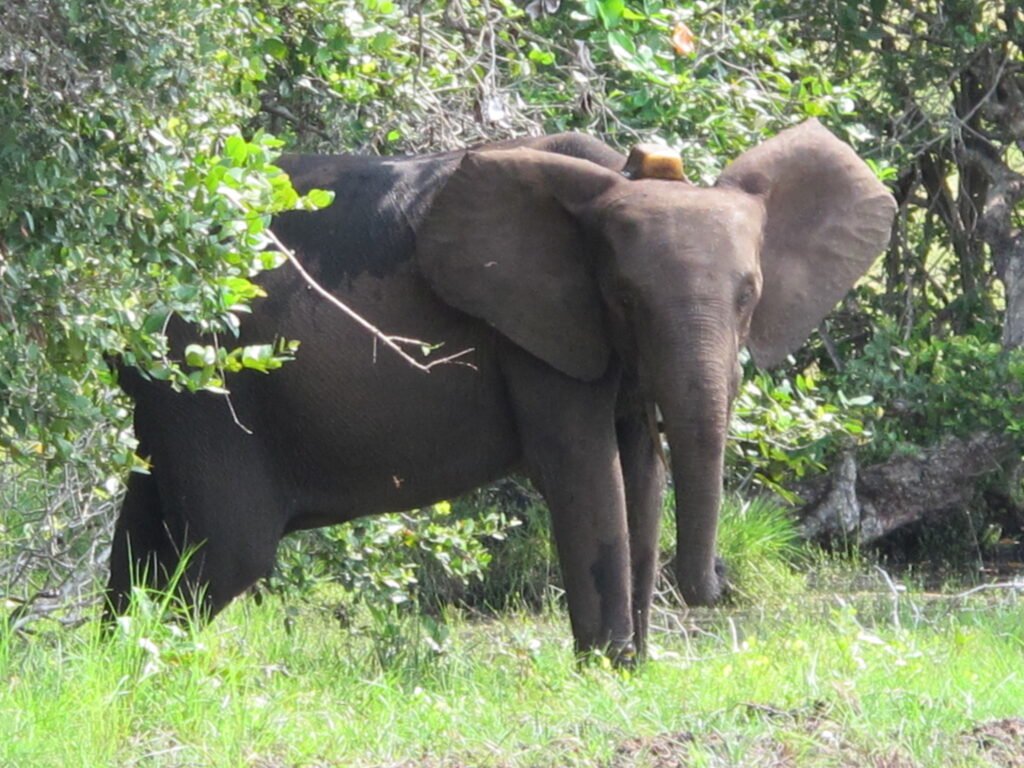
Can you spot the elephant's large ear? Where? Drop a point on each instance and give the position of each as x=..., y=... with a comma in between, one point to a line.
x=502, y=242
x=827, y=218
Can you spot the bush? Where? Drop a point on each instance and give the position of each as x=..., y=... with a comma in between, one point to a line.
x=761, y=546
x=127, y=195
x=926, y=387
x=384, y=560
x=785, y=428
x=522, y=566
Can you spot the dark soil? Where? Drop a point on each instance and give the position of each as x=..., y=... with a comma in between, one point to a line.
x=802, y=737
x=1001, y=742
x=810, y=737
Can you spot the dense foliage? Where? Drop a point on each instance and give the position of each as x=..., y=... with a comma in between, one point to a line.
x=127, y=194
x=136, y=180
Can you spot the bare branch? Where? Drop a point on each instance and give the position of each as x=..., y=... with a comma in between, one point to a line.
x=285, y=114
x=394, y=343
x=227, y=395
x=830, y=346
x=1016, y=585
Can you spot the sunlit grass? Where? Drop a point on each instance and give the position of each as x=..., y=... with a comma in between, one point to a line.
x=831, y=679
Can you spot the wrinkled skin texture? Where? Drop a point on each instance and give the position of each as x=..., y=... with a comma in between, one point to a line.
x=585, y=298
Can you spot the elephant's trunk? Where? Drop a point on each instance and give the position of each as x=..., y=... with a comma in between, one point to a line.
x=694, y=395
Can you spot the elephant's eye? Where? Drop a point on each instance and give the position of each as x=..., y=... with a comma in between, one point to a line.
x=746, y=295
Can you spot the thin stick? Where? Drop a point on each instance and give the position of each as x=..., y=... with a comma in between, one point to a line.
x=392, y=342
x=1016, y=584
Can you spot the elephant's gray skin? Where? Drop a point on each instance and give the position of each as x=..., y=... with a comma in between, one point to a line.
x=586, y=298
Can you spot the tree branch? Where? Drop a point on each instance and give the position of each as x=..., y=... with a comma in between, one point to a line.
x=285, y=114
x=394, y=343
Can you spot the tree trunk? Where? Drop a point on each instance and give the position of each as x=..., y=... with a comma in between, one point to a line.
x=864, y=504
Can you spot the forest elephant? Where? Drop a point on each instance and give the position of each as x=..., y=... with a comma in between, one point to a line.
x=584, y=296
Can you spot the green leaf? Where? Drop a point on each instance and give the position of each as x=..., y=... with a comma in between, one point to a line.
x=320, y=198
x=273, y=47
x=200, y=356
x=236, y=149
x=610, y=12
x=542, y=57
x=622, y=47
x=257, y=355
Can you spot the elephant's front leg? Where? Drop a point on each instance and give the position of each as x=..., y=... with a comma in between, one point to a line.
x=567, y=430
x=644, y=474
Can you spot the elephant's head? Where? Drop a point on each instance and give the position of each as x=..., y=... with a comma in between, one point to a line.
x=575, y=262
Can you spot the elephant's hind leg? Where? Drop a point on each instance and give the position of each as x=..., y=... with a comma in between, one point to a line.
x=225, y=530
x=142, y=552
x=229, y=526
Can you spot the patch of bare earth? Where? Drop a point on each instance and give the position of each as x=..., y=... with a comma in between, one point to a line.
x=799, y=738
x=802, y=738
x=1000, y=742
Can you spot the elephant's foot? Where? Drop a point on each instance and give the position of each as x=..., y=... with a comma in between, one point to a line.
x=621, y=654
x=725, y=590
x=707, y=589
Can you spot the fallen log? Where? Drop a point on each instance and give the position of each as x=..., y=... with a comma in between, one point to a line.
x=863, y=504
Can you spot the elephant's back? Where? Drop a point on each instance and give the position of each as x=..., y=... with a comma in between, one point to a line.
x=370, y=225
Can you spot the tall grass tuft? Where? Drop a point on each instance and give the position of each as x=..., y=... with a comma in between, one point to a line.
x=758, y=542
x=761, y=547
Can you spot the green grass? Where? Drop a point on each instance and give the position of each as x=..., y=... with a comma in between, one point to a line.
x=825, y=679
x=816, y=662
